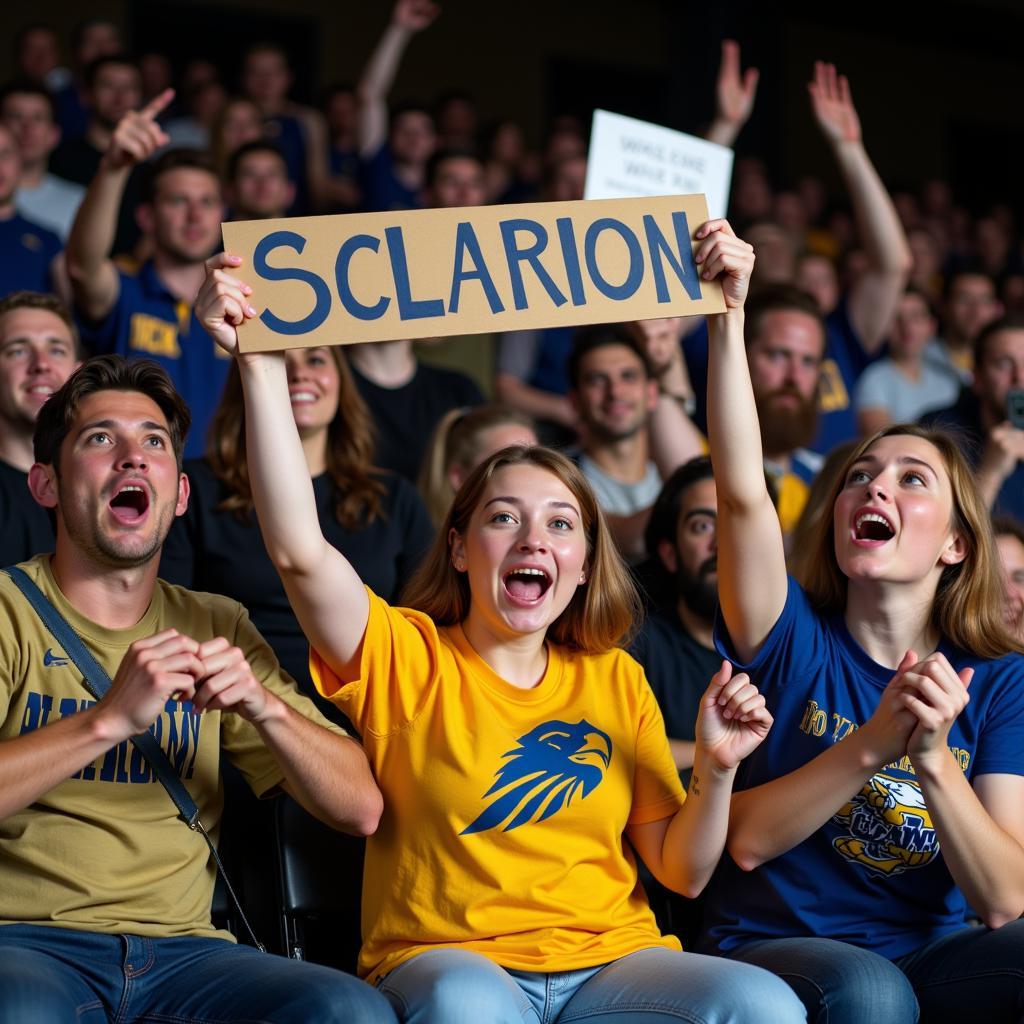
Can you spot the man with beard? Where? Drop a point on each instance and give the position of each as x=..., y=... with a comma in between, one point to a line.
x=105, y=907
x=148, y=313
x=615, y=395
x=785, y=339
x=675, y=645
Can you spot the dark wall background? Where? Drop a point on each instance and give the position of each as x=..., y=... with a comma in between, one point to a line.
x=939, y=85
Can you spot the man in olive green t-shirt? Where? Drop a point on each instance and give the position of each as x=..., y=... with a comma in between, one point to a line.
x=105, y=898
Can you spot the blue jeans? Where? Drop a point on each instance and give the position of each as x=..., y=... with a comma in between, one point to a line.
x=975, y=974
x=455, y=986
x=52, y=975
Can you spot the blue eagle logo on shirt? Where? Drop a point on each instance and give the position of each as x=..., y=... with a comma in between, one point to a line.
x=552, y=763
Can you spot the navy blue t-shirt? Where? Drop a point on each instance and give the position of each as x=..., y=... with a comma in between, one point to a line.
x=382, y=188
x=873, y=875
x=28, y=251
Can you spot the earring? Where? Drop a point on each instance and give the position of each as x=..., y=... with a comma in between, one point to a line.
x=583, y=577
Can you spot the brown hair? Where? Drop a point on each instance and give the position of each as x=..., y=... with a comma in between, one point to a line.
x=49, y=303
x=350, y=445
x=602, y=612
x=968, y=606
x=108, y=373
x=456, y=442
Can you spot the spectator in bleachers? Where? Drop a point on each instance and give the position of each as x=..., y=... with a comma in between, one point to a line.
x=106, y=896
x=456, y=117
x=395, y=147
x=113, y=88
x=148, y=313
x=37, y=56
x=982, y=415
x=257, y=185
x=39, y=349
x=376, y=519
x=341, y=111
x=511, y=172
x=462, y=440
x=883, y=803
x=623, y=416
x=29, y=112
x=202, y=99
x=674, y=643
x=31, y=253
x=510, y=632
x=237, y=123
x=970, y=305
x=299, y=131
x=785, y=339
x=1009, y=535
x=905, y=385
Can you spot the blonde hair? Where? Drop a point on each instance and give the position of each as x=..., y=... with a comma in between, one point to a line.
x=968, y=606
x=602, y=612
x=457, y=442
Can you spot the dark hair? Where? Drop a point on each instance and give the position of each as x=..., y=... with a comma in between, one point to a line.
x=664, y=516
x=79, y=30
x=120, y=59
x=174, y=160
x=775, y=299
x=358, y=493
x=920, y=293
x=23, y=87
x=589, y=339
x=1010, y=322
x=267, y=46
x=968, y=271
x=409, y=107
x=440, y=156
x=26, y=30
x=1007, y=526
x=45, y=301
x=256, y=146
x=108, y=373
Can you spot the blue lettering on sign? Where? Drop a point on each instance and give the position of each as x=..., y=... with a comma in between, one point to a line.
x=515, y=255
x=408, y=307
x=466, y=243
x=636, y=259
x=567, y=238
x=684, y=268
x=341, y=271
x=291, y=240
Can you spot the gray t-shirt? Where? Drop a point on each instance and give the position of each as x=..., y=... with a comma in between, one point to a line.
x=617, y=498
x=884, y=386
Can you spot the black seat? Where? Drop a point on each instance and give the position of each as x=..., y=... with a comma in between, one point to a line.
x=320, y=874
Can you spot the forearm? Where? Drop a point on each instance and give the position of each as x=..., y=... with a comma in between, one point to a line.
x=771, y=819
x=92, y=235
x=281, y=484
x=683, y=752
x=375, y=84
x=326, y=773
x=541, y=405
x=674, y=438
x=985, y=861
x=36, y=762
x=723, y=132
x=696, y=836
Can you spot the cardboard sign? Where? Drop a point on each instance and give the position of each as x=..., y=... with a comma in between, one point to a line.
x=634, y=158
x=429, y=273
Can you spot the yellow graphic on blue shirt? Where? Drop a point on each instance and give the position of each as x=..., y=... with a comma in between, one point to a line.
x=832, y=393
x=552, y=763
x=154, y=336
x=890, y=829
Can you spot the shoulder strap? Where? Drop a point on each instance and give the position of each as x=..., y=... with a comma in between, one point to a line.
x=97, y=682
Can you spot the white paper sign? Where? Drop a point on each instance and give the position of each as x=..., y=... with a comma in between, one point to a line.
x=634, y=158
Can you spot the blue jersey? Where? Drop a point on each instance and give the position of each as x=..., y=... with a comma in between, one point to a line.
x=148, y=322
x=873, y=875
x=28, y=251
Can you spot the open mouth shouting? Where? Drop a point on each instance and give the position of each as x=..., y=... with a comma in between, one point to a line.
x=871, y=528
x=526, y=585
x=130, y=504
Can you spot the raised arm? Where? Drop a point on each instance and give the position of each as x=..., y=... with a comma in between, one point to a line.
x=94, y=281
x=752, y=582
x=407, y=18
x=323, y=589
x=674, y=438
x=734, y=96
x=872, y=303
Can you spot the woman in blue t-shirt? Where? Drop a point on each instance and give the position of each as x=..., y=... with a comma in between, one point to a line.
x=889, y=795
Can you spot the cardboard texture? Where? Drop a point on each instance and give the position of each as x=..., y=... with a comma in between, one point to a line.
x=339, y=280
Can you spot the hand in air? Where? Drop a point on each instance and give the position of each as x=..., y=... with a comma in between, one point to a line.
x=720, y=254
x=888, y=730
x=138, y=135
x=222, y=304
x=733, y=719
x=734, y=92
x=934, y=693
x=415, y=15
x=833, y=105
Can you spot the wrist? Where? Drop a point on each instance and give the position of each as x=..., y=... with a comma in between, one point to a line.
x=273, y=712
x=935, y=766
x=869, y=760
x=106, y=727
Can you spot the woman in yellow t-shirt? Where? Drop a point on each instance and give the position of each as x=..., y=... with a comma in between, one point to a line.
x=517, y=748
